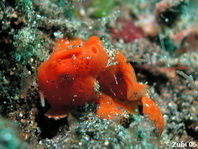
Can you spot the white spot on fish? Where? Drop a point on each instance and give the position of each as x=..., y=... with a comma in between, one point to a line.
x=116, y=81
x=113, y=91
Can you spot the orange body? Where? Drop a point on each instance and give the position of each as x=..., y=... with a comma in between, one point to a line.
x=70, y=76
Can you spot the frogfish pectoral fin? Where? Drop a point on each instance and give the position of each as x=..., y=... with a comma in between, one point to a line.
x=153, y=112
x=130, y=106
x=107, y=108
x=57, y=111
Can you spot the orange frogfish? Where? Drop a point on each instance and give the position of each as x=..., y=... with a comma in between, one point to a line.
x=78, y=72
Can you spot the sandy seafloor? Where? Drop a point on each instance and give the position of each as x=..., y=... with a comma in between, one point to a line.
x=159, y=39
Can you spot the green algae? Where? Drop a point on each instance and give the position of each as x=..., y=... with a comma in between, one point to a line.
x=101, y=10
x=29, y=44
x=167, y=44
